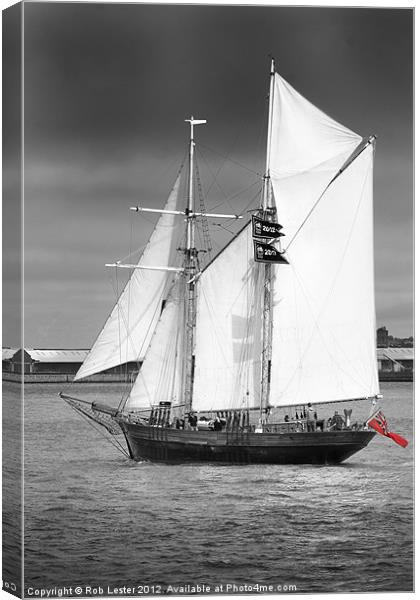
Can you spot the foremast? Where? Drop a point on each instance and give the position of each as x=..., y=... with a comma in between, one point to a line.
x=190, y=272
x=268, y=213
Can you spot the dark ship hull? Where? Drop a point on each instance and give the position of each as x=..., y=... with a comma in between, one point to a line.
x=168, y=445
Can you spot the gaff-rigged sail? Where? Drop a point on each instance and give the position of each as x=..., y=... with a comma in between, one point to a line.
x=128, y=330
x=160, y=377
x=228, y=331
x=323, y=307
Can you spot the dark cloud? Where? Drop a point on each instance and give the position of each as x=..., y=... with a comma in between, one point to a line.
x=107, y=88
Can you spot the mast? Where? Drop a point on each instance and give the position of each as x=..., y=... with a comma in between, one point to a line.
x=191, y=269
x=269, y=214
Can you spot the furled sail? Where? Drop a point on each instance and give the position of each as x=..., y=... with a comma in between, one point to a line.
x=323, y=315
x=228, y=331
x=161, y=374
x=128, y=330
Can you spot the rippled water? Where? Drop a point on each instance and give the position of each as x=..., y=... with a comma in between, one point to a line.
x=93, y=517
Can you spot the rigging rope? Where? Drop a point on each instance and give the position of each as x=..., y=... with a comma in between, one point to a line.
x=236, y=194
x=215, y=181
x=231, y=160
x=203, y=219
x=91, y=421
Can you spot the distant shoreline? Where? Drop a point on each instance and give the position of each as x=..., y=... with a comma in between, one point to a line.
x=61, y=378
x=114, y=379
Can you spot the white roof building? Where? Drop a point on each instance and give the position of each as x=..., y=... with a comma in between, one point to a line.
x=395, y=354
x=57, y=356
x=8, y=353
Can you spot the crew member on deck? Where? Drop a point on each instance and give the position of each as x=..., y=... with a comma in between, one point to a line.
x=192, y=420
x=217, y=424
x=337, y=422
x=310, y=418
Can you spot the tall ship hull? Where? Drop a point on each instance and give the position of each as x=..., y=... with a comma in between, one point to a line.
x=241, y=447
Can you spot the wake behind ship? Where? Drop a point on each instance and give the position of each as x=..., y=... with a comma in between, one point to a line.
x=240, y=352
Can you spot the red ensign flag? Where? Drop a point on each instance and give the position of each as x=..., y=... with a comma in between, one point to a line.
x=379, y=424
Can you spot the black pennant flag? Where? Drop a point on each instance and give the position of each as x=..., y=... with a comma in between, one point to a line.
x=267, y=253
x=265, y=229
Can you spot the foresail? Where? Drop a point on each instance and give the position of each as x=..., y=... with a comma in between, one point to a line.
x=228, y=332
x=128, y=330
x=161, y=374
x=324, y=345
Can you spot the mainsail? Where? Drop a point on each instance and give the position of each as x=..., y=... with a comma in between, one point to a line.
x=323, y=307
x=128, y=330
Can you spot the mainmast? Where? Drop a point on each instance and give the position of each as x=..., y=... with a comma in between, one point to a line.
x=269, y=214
x=190, y=270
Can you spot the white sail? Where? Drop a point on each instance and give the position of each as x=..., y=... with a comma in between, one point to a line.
x=128, y=330
x=302, y=136
x=160, y=376
x=307, y=150
x=324, y=316
x=228, y=331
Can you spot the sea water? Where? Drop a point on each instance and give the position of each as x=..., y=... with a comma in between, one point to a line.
x=97, y=523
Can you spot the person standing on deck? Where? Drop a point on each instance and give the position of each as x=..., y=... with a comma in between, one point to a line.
x=310, y=418
x=192, y=421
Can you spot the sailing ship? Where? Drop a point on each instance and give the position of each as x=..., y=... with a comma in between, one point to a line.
x=236, y=353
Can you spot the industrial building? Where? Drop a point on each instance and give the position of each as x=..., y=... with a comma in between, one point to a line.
x=47, y=365
x=395, y=364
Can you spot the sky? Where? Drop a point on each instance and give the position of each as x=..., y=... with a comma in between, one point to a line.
x=107, y=89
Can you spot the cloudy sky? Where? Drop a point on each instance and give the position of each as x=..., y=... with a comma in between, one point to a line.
x=107, y=89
